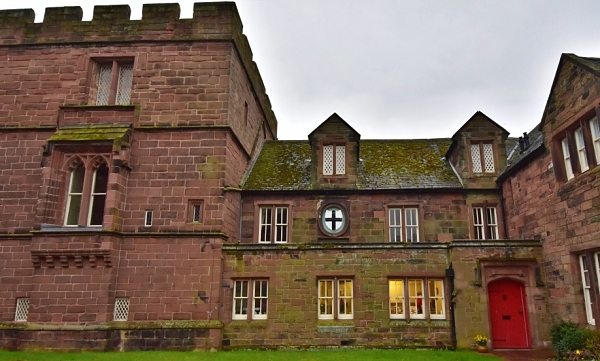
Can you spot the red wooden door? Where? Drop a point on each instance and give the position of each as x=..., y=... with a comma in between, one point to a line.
x=508, y=314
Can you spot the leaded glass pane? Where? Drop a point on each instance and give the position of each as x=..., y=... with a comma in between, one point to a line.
x=488, y=157
x=104, y=77
x=476, y=158
x=124, y=86
x=340, y=159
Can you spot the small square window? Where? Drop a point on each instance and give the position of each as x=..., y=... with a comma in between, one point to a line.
x=121, y=309
x=148, y=219
x=22, y=310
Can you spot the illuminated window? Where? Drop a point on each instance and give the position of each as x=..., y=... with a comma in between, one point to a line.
x=425, y=298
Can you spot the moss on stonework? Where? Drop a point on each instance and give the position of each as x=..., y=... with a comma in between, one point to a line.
x=142, y=325
x=116, y=133
x=383, y=164
x=281, y=165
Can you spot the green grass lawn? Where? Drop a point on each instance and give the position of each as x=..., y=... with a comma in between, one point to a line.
x=334, y=355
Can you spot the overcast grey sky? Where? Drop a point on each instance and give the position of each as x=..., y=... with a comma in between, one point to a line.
x=402, y=69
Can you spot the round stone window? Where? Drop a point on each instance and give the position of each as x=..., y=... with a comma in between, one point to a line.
x=334, y=220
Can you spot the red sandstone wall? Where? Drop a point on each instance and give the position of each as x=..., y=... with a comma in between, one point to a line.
x=446, y=214
x=564, y=215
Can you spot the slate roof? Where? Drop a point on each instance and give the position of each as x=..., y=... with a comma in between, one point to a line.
x=383, y=164
x=514, y=157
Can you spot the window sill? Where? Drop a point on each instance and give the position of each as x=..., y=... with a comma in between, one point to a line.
x=55, y=228
x=420, y=323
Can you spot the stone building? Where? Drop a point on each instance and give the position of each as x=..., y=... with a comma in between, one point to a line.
x=145, y=203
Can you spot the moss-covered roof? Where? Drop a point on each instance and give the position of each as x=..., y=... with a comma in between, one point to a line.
x=92, y=133
x=383, y=164
x=281, y=165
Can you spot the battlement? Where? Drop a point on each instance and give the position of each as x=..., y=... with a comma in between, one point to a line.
x=211, y=21
x=218, y=21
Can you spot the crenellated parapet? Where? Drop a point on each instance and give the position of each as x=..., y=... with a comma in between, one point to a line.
x=219, y=21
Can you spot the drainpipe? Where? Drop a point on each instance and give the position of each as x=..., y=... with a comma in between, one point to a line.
x=450, y=277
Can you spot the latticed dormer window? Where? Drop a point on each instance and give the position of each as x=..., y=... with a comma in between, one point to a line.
x=334, y=159
x=482, y=158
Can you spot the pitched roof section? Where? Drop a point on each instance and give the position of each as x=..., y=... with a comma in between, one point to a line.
x=515, y=158
x=478, y=116
x=590, y=64
x=384, y=164
x=334, y=118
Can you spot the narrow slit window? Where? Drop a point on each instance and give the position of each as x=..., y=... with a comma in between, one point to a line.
x=148, y=219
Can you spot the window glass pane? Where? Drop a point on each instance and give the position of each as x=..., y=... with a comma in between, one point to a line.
x=260, y=299
x=478, y=223
x=583, y=163
x=240, y=299
x=124, y=85
x=328, y=159
x=567, y=158
x=326, y=299
x=395, y=225
x=492, y=225
x=196, y=213
x=476, y=158
x=281, y=227
x=74, y=196
x=345, y=298
x=488, y=157
x=97, y=210
x=101, y=180
x=415, y=294
x=412, y=227
x=595, y=130
x=265, y=225
x=436, y=298
x=396, y=298
x=585, y=280
x=340, y=159
x=98, y=196
x=77, y=179
x=104, y=76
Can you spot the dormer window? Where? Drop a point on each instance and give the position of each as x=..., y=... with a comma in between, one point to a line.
x=334, y=159
x=482, y=158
